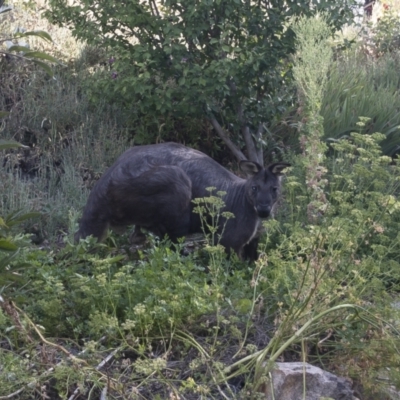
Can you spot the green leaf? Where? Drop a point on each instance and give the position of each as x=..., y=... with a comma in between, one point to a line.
x=10, y=144
x=42, y=34
x=40, y=55
x=4, y=114
x=44, y=66
x=18, y=217
x=6, y=260
x=17, y=48
x=6, y=245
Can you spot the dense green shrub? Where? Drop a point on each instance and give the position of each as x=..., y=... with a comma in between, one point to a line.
x=167, y=61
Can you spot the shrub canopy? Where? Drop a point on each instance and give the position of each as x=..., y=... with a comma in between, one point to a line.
x=220, y=59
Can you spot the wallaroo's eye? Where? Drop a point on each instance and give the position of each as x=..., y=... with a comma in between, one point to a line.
x=275, y=188
x=254, y=188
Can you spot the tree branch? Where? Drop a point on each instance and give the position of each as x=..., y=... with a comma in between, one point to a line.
x=248, y=139
x=154, y=8
x=251, y=147
x=259, y=149
x=236, y=152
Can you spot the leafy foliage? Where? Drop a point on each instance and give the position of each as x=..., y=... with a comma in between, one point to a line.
x=349, y=255
x=332, y=281
x=386, y=30
x=11, y=242
x=8, y=243
x=16, y=47
x=224, y=60
x=157, y=324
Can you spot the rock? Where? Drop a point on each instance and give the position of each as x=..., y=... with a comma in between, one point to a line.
x=288, y=378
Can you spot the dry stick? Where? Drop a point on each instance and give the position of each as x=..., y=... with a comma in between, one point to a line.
x=9, y=396
x=101, y=365
x=222, y=393
x=251, y=148
x=73, y=395
x=259, y=150
x=237, y=153
x=104, y=394
x=44, y=340
x=12, y=54
x=108, y=358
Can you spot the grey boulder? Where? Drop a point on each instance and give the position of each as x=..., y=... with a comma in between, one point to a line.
x=288, y=383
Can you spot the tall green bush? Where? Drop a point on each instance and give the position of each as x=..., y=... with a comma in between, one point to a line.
x=220, y=60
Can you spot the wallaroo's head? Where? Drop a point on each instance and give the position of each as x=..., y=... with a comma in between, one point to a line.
x=263, y=185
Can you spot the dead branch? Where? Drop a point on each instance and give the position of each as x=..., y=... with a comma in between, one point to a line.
x=236, y=152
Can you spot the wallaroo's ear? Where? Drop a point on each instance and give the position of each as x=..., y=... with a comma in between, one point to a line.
x=250, y=167
x=277, y=168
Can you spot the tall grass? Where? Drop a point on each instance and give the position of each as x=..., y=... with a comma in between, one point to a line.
x=359, y=86
x=65, y=157
x=70, y=141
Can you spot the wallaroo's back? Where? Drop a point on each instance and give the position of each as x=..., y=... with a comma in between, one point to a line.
x=152, y=187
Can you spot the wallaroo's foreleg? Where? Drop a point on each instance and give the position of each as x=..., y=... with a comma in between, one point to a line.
x=250, y=251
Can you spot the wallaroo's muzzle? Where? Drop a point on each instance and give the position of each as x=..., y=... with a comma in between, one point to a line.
x=263, y=211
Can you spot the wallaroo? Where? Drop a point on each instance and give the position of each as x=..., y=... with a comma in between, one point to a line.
x=152, y=187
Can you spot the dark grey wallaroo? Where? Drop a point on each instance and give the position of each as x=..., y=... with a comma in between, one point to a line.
x=153, y=197
x=152, y=186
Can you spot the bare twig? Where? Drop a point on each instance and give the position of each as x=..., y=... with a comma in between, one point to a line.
x=44, y=374
x=259, y=149
x=101, y=365
x=251, y=148
x=11, y=395
x=44, y=340
x=73, y=395
x=108, y=358
x=103, y=395
x=236, y=152
x=154, y=7
x=222, y=393
x=15, y=55
x=330, y=332
x=155, y=12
